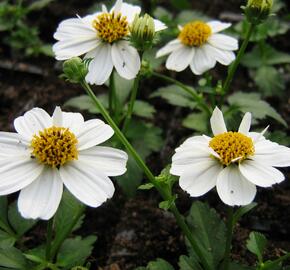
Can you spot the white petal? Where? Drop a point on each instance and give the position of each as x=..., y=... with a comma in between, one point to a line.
x=233, y=188
x=159, y=26
x=93, y=132
x=259, y=174
x=32, y=122
x=246, y=124
x=86, y=183
x=109, y=161
x=192, y=141
x=126, y=59
x=42, y=197
x=180, y=59
x=202, y=61
x=217, y=26
x=117, y=7
x=130, y=11
x=223, y=42
x=12, y=145
x=17, y=172
x=221, y=56
x=100, y=68
x=201, y=178
x=169, y=47
x=217, y=122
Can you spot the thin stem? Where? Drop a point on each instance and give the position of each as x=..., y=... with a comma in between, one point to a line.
x=131, y=103
x=58, y=242
x=148, y=173
x=233, y=68
x=198, y=99
x=48, y=239
x=230, y=227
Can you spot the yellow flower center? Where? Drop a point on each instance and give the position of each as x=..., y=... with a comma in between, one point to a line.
x=54, y=146
x=111, y=26
x=195, y=33
x=231, y=146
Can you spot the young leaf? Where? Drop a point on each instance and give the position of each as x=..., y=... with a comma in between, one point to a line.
x=159, y=264
x=13, y=258
x=188, y=263
x=146, y=186
x=209, y=230
x=74, y=252
x=257, y=244
x=242, y=211
x=143, y=109
x=196, y=121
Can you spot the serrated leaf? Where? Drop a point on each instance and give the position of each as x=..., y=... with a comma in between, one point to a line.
x=6, y=240
x=20, y=224
x=175, y=95
x=251, y=102
x=74, y=252
x=196, y=121
x=257, y=244
x=209, y=231
x=143, y=109
x=159, y=264
x=13, y=258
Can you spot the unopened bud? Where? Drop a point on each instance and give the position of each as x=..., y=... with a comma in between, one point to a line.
x=258, y=10
x=74, y=70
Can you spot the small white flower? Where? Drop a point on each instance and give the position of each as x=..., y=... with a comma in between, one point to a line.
x=200, y=45
x=234, y=162
x=102, y=37
x=47, y=152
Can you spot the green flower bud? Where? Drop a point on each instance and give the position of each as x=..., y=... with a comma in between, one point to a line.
x=258, y=10
x=142, y=32
x=74, y=70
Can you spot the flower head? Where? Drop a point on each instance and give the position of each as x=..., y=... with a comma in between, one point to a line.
x=47, y=152
x=102, y=37
x=258, y=10
x=234, y=162
x=199, y=45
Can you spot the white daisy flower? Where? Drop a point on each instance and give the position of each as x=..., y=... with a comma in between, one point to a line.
x=234, y=162
x=103, y=37
x=47, y=152
x=200, y=45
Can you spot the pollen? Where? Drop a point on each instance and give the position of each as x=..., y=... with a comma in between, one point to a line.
x=232, y=146
x=111, y=27
x=54, y=146
x=195, y=34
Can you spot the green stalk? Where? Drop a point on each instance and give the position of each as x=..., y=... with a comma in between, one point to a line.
x=149, y=175
x=233, y=68
x=131, y=103
x=230, y=227
x=48, y=239
x=198, y=99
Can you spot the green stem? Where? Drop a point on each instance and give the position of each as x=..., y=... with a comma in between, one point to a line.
x=111, y=93
x=230, y=227
x=198, y=99
x=274, y=263
x=48, y=239
x=233, y=68
x=58, y=241
x=148, y=173
x=131, y=103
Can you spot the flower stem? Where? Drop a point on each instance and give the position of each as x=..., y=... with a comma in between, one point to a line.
x=233, y=68
x=48, y=239
x=230, y=227
x=131, y=103
x=149, y=175
x=198, y=99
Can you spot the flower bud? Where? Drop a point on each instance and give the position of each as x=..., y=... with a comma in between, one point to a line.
x=142, y=32
x=74, y=70
x=258, y=10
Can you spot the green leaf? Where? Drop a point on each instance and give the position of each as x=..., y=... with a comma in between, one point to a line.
x=242, y=211
x=269, y=81
x=3, y=212
x=150, y=57
x=175, y=95
x=188, y=263
x=196, y=121
x=146, y=186
x=74, y=252
x=6, y=240
x=40, y=4
x=251, y=102
x=180, y=4
x=123, y=87
x=143, y=109
x=209, y=231
x=257, y=244
x=279, y=136
x=235, y=266
x=20, y=224
x=165, y=205
x=159, y=264
x=13, y=258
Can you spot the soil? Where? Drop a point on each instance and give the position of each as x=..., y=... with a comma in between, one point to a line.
x=133, y=231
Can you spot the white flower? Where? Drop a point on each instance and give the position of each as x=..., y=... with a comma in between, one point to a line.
x=47, y=152
x=234, y=162
x=102, y=37
x=200, y=45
